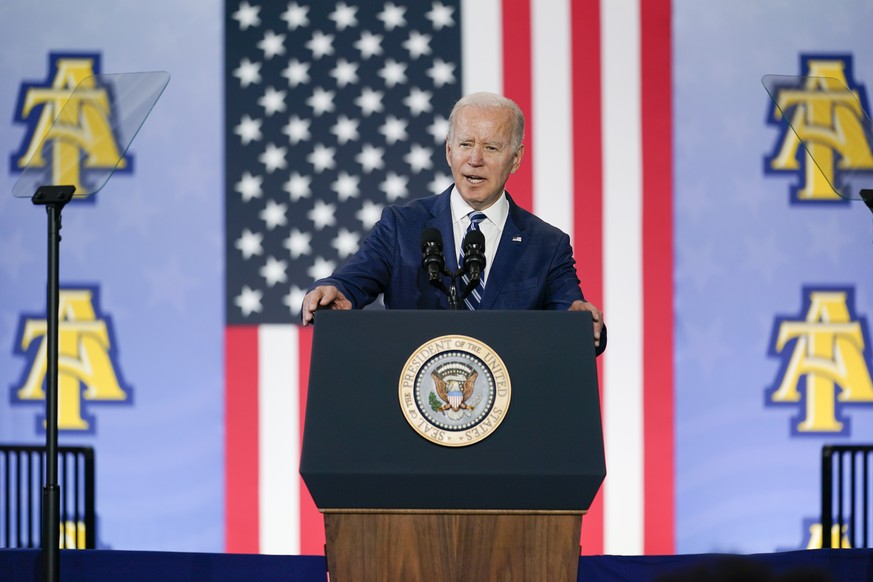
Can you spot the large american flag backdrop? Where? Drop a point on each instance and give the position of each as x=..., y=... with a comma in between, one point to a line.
x=334, y=110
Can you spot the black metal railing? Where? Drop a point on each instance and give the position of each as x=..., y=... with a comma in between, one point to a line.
x=22, y=477
x=845, y=495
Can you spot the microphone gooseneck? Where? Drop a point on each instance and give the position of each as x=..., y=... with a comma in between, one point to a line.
x=471, y=268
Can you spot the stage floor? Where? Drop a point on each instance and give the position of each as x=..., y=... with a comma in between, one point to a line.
x=131, y=566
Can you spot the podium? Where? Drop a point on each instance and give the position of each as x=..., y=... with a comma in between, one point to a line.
x=496, y=490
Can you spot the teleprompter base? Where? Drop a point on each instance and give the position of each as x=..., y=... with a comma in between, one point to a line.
x=450, y=546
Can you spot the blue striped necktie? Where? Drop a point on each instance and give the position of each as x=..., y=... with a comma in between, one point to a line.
x=472, y=300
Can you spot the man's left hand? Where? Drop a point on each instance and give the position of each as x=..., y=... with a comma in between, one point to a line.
x=596, y=316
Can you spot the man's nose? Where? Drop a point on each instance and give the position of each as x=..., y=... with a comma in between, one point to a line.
x=476, y=158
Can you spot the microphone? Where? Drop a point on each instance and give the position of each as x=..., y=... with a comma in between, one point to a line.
x=474, y=254
x=432, y=259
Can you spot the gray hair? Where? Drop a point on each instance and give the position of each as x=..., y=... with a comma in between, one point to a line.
x=487, y=100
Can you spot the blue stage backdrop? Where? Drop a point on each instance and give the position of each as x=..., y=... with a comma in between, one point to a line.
x=735, y=283
x=141, y=269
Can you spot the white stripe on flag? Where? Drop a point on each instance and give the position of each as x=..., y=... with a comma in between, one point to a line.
x=551, y=141
x=279, y=442
x=622, y=178
x=481, y=46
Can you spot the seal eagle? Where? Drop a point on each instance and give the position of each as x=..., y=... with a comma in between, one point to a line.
x=444, y=390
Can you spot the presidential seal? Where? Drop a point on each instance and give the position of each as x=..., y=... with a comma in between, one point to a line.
x=454, y=390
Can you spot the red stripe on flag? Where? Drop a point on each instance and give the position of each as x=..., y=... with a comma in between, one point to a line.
x=656, y=65
x=588, y=190
x=241, y=439
x=517, y=86
x=311, y=521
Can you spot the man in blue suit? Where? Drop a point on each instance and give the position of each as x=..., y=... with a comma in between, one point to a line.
x=528, y=262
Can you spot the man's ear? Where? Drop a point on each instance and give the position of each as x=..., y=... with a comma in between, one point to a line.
x=517, y=161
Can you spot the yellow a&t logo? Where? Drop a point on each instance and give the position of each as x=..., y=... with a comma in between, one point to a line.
x=69, y=119
x=825, y=352
x=87, y=366
x=826, y=113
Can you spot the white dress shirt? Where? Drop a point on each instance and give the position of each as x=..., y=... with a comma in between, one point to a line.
x=491, y=227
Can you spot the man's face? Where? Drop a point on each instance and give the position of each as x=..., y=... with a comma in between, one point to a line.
x=480, y=154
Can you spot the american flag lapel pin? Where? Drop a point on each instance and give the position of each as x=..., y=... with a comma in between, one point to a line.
x=516, y=239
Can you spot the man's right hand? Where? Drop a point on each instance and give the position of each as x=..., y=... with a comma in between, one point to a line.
x=325, y=297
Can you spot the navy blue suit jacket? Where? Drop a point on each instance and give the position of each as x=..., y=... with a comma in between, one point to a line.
x=533, y=267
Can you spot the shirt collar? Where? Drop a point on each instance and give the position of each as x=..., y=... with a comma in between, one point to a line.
x=496, y=213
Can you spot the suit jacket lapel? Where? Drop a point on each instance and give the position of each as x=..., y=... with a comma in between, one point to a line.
x=441, y=218
x=511, y=248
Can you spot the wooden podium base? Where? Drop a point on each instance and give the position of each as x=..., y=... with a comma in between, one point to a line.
x=451, y=545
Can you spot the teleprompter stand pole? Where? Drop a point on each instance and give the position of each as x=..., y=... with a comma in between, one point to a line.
x=54, y=198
